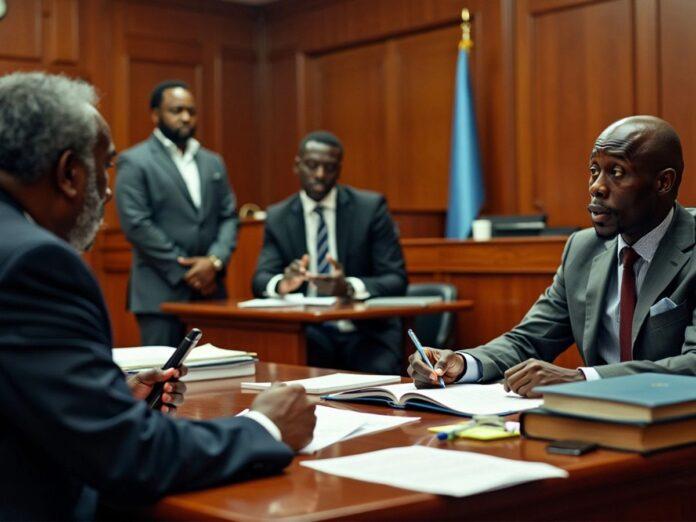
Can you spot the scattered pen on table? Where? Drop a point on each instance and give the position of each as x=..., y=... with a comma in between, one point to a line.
x=421, y=352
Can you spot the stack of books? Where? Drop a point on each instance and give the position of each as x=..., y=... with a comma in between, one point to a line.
x=643, y=412
x=205, y=362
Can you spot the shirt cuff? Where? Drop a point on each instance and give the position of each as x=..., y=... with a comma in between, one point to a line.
x=272, y=284
x=361, y=292
x=267, y=423
x=590, y=374
x=473, y=371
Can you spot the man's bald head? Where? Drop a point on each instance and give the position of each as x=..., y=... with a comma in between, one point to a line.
x=649, y=143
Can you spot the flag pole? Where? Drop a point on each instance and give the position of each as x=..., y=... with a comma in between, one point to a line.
x=466, y=42
x=466, y=190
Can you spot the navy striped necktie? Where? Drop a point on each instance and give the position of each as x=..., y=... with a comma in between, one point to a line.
x=323, y=266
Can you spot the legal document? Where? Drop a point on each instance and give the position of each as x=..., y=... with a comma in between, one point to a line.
x=334, y=425
x=437, y=471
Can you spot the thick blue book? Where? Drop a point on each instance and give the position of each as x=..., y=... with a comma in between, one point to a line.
x=643, y=397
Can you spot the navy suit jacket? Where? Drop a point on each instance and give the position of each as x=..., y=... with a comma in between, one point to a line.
x=160, y=220
x=69, y=427
x=366, y=240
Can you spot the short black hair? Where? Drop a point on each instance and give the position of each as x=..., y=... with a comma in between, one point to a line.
x=158, y=91
x=321, y=136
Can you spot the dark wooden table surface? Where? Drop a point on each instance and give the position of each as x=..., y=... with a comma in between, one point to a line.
x=603, y=485
x=278, y=334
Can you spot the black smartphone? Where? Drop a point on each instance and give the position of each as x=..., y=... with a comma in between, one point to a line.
x=154, y=398
x=570, y=447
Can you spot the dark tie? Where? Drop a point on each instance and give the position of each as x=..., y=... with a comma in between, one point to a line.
x=322, y=242
x=628, y=303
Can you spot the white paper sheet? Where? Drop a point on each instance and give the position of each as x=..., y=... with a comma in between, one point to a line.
x=288, y=300
x=335, y=425
x=438, y=471
x=331, y=383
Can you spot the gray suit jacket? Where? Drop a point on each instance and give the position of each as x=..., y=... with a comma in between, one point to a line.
x=570, y=309
x=160, y=220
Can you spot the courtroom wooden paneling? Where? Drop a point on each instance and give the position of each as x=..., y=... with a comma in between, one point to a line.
x=571, y=85
x=677, y=49
x=383, y=82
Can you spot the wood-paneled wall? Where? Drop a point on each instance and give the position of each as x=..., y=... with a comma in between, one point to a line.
x=548, y=75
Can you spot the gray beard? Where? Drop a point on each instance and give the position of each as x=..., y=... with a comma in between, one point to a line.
x=90, y=219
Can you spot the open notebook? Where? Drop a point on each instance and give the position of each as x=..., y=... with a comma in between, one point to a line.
x=458, y=399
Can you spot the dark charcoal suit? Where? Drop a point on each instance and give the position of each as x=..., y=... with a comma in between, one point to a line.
x=369, y=249
x=160, y=220
x=69, y=427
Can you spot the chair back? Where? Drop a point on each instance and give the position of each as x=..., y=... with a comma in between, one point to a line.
x=434, y=330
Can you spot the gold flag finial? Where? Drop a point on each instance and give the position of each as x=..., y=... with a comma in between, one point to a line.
x=466, y=43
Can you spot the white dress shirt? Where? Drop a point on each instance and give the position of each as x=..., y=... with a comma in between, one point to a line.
x=608, y=334
x=186, y=164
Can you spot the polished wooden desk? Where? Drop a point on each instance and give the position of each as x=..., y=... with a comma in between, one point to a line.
x=603, y=485
x=278, y=334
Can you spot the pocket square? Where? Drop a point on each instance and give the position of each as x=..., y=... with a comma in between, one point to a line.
x=663, y=305
x=217, y=175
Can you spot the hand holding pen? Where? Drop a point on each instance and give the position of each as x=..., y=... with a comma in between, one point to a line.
x=434, y=365
x=423, y=356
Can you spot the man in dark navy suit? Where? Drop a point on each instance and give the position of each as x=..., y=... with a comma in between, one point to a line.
x=331, y=239
x=72, y=429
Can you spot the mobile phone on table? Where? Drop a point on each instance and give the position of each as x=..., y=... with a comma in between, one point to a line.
x=154, y=398
x=570, y=447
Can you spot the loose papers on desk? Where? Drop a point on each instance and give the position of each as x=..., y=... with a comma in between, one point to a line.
x=288, y=300
x=437, y=471
x=205, y=362
x=334, y=425
x=331, y=383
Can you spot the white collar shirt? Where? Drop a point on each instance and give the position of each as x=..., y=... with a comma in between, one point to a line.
x=185, y=163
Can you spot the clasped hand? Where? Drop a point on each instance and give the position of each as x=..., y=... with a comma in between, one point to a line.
x=297, y=273
x=201, y=274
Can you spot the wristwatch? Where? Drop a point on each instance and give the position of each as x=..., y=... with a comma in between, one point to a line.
x=217, y=263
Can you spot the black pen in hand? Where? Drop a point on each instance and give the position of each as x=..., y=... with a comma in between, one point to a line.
x=154, y=398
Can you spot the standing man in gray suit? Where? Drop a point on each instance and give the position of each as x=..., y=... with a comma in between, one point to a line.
x=177, y=209
x=625, y=290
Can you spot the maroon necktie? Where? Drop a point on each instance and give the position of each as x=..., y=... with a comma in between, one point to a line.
x=628, y=303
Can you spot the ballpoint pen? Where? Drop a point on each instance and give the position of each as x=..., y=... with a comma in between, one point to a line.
x=421, y=352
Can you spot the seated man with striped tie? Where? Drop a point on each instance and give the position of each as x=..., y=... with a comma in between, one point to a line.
x=331, y=239
x=625, y=292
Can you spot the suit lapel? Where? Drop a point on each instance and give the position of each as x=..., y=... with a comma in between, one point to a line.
x=205, y=177
x=163, y=159
x=296, y=228
x=671, y=255
x=600, y=273
x=344, y=214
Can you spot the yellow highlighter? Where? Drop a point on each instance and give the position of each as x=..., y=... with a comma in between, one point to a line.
x=480, y=427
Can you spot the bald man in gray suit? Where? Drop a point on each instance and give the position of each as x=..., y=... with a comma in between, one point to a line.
x=624, y=292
